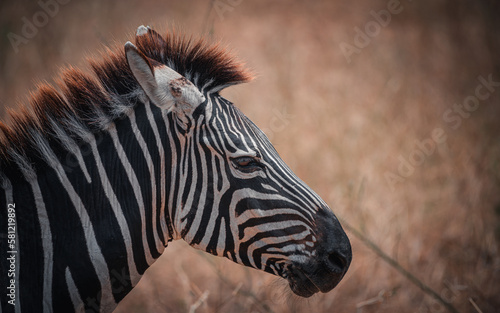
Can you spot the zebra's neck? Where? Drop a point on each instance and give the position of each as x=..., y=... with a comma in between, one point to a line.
x=104, y=203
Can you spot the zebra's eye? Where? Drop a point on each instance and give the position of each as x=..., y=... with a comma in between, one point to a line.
x=247, y=164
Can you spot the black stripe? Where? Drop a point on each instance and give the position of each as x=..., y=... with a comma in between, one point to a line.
x=243, y=252
x=208, y=206
x=257, y=253
x=30, y=279
x=171, y=151
x=69, y=246
x=155, y=155
x=129, y=203
x=29, y=262
x=262, y=204
x=104, y=222
x=282, y=217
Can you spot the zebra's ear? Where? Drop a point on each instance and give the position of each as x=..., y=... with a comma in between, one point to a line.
x=141, y=69
x=165, y=87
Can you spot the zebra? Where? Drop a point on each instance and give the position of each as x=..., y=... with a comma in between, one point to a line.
x=106, y=167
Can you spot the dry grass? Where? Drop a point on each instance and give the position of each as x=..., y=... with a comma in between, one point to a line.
x=348, y=124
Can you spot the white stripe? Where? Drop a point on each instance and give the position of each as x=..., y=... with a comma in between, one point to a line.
x=71, y=146
x=96, y=256
x=221, y=244
x=151, y=168
x=173, y=181
x=161, y=152
x=248, y=214
x=185, y=207
x=292, y=247
x=250, y=232
x=73, y=292
x=235, y=130
x=132, y=178
x=245, y=193
x=10, y=200
x=48, y=261
x=118, y=212
x=224, y=122
x=203, y=193
x=183, y=143
x=215, y=210
x=293, y=238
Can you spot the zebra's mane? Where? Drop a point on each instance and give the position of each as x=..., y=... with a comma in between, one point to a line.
x=86, y=102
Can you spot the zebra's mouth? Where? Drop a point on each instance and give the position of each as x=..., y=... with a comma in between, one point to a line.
x=306, y=279
x=300, y=283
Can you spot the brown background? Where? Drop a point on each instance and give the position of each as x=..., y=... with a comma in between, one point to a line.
x=341, y=126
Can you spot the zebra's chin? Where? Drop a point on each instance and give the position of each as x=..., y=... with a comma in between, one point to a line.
x=305, y=282
x=300, y=284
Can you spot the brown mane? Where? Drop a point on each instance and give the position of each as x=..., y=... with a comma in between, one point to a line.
x=88, y=101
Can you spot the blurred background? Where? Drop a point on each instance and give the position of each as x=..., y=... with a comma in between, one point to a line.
x=389, y=109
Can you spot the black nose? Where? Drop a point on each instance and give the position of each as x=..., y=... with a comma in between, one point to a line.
x=335, y=247
x=338, y=262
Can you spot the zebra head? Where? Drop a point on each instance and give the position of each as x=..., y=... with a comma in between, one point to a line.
x=231, y=194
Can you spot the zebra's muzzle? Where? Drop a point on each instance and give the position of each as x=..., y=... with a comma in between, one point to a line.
x=312, y=277
x=327, y=267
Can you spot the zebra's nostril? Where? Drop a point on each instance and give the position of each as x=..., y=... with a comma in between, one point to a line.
x=337, y=262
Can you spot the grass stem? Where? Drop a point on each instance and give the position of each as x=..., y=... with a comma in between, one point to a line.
x=425, y=288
